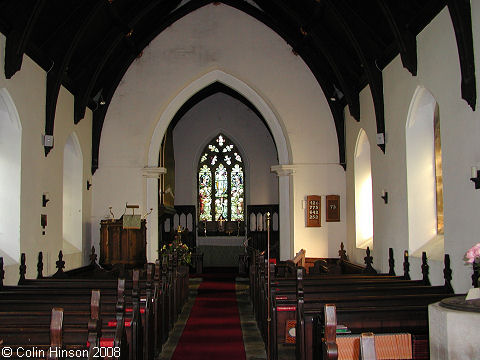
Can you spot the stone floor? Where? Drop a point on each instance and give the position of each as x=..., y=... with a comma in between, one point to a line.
x=252, y=340
x=174, y=336
x=254, y=345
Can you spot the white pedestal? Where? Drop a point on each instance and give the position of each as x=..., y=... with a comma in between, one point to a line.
x=454, y=335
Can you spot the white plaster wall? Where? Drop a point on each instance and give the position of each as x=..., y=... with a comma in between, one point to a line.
x=439, y=72
x=222, y=113
x=223, y=38
x=318, y=179
x=42, y=174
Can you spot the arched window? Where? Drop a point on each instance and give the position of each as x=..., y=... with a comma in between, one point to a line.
x=424, y=176
x=10, y=170
x=221, y=182
x=72, y=195
x=363, y=193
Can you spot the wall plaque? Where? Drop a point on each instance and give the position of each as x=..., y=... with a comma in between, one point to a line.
x=333, y=208
x=314, y=203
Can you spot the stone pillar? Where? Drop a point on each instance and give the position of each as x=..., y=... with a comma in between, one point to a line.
x=285, y=204
x=151, y=176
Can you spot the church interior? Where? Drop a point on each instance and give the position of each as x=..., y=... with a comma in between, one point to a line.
x=312, y=127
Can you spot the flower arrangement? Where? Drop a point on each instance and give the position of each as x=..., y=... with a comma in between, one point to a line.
x=183, y=252
x=473, y=254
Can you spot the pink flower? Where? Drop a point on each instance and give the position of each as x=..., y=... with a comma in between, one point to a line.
x=473, y=254
x=476, y=250
x=470, y=256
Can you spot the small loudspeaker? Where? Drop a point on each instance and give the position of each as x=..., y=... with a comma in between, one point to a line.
x=47, y=140
x=380, y=139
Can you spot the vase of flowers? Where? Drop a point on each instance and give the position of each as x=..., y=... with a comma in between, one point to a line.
x=184, y=254
x=472, y=256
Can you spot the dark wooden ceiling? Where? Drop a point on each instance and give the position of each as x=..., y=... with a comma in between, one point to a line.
x=88, y=45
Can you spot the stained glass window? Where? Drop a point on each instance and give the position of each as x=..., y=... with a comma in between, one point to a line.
x=237, y=192
x=221, y=182
x=205, y=193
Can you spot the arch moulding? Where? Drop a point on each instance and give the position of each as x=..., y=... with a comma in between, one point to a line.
x=281, y=142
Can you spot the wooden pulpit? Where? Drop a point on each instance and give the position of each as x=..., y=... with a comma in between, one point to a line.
x=120, y=245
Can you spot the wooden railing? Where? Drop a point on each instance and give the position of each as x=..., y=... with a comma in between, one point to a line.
x=185, y=216
x=257, y=228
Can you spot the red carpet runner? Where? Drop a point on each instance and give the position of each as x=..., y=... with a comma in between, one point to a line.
x=213, y=329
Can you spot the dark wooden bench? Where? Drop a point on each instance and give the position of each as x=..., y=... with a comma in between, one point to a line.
x=382, y=292
x=74, y=296
x=364, y=346
x=77, y=334
x=380, y=313
x=284, y=275
x=152, y=303
x=77, y=299
x=167, y=292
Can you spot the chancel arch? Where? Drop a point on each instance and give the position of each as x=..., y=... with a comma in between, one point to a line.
x=424, y=175
x=276, y=130
x=10, y=179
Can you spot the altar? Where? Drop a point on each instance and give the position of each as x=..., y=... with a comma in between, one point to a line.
x=220, y=251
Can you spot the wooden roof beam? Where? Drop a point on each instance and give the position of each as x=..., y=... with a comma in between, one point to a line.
x=374, y=74
x=460, y=13
x=117, y=67
x=100, y=113
x=56, y=74
x=406, y=41
x=104, y=51
x=351, y=95
x=325, y=81
x=87, y=81
x=18, y=37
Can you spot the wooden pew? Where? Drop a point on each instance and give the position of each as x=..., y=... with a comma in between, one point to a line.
x=75, y=301
x=378, y=313
x=351, y=291
x=66, y=333
x=162, y=295
x=299, y=259
x=365, y=346
x=284, y=275
x=168, y=292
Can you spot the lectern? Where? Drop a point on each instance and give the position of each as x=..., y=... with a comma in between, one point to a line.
x=120, y=245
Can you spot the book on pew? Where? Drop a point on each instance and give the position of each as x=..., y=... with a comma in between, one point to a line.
x=342, y=329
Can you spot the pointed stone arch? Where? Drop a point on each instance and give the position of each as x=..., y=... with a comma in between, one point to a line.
x=72, y=228
x=424, y=175
x=10, y=179
x=278, y=133
x=363, y=192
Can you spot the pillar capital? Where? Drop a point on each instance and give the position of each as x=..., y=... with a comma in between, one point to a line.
x=153, y=172
x=283, y=170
